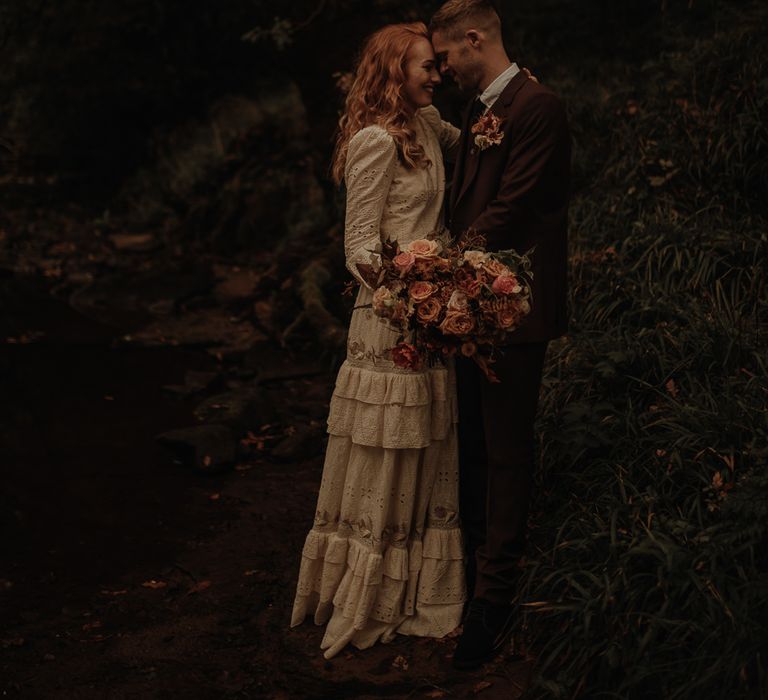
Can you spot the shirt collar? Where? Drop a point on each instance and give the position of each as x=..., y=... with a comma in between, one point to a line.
x=492, y=92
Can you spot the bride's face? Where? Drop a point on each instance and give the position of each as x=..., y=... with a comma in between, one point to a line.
x=421, y=74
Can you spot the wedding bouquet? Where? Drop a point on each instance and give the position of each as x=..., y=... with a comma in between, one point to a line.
x=451, y=299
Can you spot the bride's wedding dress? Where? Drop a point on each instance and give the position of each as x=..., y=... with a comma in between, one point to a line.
x=385, y=553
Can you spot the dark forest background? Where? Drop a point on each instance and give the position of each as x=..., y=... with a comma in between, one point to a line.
x=164, y=171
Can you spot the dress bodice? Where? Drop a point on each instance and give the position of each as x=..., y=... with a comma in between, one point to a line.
x=387, y=199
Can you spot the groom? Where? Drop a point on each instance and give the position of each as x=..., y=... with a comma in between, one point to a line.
x=515, y=193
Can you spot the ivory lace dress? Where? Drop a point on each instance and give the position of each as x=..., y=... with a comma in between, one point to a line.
x=385, y=553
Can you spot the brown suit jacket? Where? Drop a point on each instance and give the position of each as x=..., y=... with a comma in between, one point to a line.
x=516, y=194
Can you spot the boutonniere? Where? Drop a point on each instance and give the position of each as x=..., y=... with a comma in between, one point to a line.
x=487, y=131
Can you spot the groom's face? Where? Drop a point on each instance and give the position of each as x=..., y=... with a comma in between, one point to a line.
x=457, y=60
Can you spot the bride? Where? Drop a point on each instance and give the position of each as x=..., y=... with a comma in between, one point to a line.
x=385, y=554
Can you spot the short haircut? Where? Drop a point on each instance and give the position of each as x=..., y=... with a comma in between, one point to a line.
x=457, y=16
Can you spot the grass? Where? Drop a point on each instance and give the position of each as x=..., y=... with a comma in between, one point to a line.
x=648, y=570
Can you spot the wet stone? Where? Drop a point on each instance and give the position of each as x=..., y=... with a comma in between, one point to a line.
x=304, y=443
x=242, y=409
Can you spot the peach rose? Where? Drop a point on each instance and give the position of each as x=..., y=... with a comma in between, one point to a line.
x=404, y=261
x=423, y=248
x=506, y=284
x=457, y=323
x=496, y=268
x=406, y=356
x=506, y=318
x=420, y=290
x=428, y=310
x=458, y=301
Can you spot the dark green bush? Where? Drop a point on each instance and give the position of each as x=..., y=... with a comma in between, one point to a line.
x=648, y=570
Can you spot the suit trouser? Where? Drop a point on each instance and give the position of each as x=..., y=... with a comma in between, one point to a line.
x=496, y=454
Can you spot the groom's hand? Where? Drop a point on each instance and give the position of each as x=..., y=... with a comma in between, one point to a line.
x=530, y=75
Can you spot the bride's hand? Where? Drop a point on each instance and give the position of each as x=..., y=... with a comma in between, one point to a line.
x=530, y=75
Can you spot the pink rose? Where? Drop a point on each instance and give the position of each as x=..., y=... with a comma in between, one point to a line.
x=406, y=356
x=404, y=261
x=428, y=310
x=423, y=248
x=420, y=290
x=457, y=323
x=506, y=284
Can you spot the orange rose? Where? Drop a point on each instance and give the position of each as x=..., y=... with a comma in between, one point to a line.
x=423, y=248
x=457, y=323
x=404, y=261
x=428, y=310
x=507, y=318
x=496, y=268
x=420, y=290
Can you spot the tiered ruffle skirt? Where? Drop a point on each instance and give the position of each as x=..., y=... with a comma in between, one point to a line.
x=385, y=554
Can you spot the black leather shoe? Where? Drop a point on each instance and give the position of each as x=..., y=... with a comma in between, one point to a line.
x=486, y=627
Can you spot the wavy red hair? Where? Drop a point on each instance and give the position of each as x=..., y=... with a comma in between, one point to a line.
x=376, y=96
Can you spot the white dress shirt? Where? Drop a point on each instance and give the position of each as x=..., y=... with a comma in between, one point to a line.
x=492, y=92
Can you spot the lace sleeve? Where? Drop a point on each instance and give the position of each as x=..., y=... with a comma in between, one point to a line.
x=447, y=133
x=369, y=171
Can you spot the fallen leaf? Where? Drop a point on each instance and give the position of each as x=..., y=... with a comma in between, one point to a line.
x=481, y=686
x=215, y=496
x=200, y=586
x=435, y=694
x=154, y=584
x=400, y=662
x=92, y=625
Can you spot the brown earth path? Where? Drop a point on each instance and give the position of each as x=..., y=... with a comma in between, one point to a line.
x=124, y=575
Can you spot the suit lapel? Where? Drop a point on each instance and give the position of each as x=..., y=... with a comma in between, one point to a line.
x=470, y=155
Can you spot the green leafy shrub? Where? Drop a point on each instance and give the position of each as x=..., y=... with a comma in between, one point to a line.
x=648, y=569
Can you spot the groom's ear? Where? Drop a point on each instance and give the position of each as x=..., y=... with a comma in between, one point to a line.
x=473, y=38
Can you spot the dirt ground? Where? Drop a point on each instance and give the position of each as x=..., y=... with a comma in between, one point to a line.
x=127, y=575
